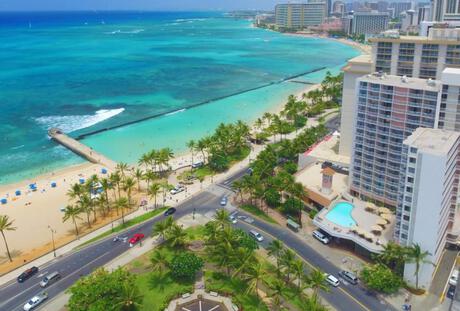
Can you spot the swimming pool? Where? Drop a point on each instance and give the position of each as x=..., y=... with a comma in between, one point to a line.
x=340, y=214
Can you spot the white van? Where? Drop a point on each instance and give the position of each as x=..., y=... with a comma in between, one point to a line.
x=321, y=237
x=256, y=235
x=332, y=280
x=50, y=279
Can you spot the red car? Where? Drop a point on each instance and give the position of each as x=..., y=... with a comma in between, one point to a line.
x=136, y=238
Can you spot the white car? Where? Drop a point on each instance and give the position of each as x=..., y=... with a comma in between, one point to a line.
x=177, y=189
x=223, y=201
x=332, y=280
x=453, y=278
x=233, y=219
x=35, y=301
x=256, y=235
x=321, y=237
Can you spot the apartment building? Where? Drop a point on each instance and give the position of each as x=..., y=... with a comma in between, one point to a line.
x=427, y=195
x=299, y=15
x=364, y=23
x=399, y=7
x=389, y=109
x=445, y=10
x=415, y=56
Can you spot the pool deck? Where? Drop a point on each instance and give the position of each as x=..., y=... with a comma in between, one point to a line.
x=364, y=220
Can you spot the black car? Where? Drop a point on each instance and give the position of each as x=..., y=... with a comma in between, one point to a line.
x=170, y=211
x=27, y=274
x=451, y=292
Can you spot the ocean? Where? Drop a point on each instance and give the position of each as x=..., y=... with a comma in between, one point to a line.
x=88, y=71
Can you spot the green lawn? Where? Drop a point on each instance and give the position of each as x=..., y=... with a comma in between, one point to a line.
x=234, y=287
x=257, y=212
x=128, y=223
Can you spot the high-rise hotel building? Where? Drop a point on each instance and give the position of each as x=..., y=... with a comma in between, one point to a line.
x=300, y=15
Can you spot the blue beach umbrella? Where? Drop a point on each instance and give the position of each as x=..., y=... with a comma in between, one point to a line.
x=81, y=180
x=3, y=201
x=104, y=171
x=53, y=184
x=17, y=192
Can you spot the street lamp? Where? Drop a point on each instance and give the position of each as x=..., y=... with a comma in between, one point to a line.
x=52, y=238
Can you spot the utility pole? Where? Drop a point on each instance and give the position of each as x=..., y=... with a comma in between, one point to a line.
x=52, y=239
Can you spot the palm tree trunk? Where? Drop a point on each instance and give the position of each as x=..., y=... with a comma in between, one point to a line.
x=155, y=201
x=122, y=216
x=76, y=227
x=7, y=249
x=87, y=218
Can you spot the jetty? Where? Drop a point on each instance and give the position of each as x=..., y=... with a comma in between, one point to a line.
x=80, y=149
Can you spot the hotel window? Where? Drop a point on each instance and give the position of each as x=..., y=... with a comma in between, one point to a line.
x=453, y=55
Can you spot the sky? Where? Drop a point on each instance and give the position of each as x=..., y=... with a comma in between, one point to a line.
x=157, y=5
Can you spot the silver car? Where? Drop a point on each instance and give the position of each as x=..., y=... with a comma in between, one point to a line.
x=35, y=301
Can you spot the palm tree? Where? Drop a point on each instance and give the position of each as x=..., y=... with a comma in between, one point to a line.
x=122, y=168
x=278, y=289
x=85, y=205
x=128, y=185
x=6, y=225
x=115, y=178
x=312, y=303
x=176, y=235
x=162, y=227
x=287, y=259
x=394, y=256
x=106, y=186
x=72, y=212
x=317, y=280
x=275, y=249
x=75, y=191
x=222, y=218
x=165, y=187
x=418, y=257
x=150, y=176
x=129, y=299
x=138, y=174
x=121, y=204
x=254, y=274
x=159, y=260
x=153, y=191
x=297, y=190
x=191, y=145
x=298, y=269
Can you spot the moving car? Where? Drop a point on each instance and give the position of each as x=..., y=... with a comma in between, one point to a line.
x=256, y=235
x=223, y=201
x=451, y=292
x=177, y=189
x=170, y=211
x=233, y=219
x=35, y=301
x=332, y=280
x=321, y=237
x=136, y=238
x=27, y=274
x=453, y=278
x=50, y=279
x=349, y=277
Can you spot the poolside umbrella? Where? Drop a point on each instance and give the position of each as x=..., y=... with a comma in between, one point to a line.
x=81, y=180
x=360, y=231
x=387, y=217
x=384, y=210
x=376, y=228
x=381, y=222
x=3, y=201
x=17, y=192
x=354, y=228
x=371, y=207
x=368, y=236
x=53, y=184
x=104, y=171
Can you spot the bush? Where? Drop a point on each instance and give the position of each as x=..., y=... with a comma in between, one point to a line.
x=290, y=167
x=312, y=213
x=381, y=278
x=186, y=265
x=272, y=197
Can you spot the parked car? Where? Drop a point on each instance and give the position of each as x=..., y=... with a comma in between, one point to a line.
x=348, y=276
x=197, y=164
x=177, y=189
x=332, y=280
x=453, y=278
x=451, y=291
x=170, y=211
x=233, y=219
x=136, y=238
x=50, y=279
x=256, y=235
x=223, y=201
x=321, y=237
x=35, y=301
x=27, y=274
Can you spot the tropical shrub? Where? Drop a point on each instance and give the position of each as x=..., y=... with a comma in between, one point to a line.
x=381, y=278
x=185, y=266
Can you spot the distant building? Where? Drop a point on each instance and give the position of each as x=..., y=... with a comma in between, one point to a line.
x=445, y=10
x=400, y=7
x=299, y=15
x=428, y=191
x=338, y=8
x=264, y=19
x=364, y=23
x=409, y=21
x=382, y=6
x=423, y=14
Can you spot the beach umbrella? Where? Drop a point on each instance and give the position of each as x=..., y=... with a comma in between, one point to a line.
x=387, y=217
x=53, y=184
x=381, y=222
x=81, y=180
x=377, y=228
x=368, y=236
x=17, y=192
x=354, y=228
x=3, y=201
x=384, y=210
x=371, y=207
x=104, y=171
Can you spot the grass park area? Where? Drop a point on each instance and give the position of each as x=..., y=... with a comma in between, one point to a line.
x=253, y=210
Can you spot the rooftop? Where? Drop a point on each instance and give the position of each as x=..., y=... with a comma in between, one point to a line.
x=436, y=36
x=403, y=82
x=433, y=141
x=451, y=76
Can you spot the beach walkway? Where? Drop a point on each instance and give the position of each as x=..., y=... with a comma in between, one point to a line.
x=81, y=149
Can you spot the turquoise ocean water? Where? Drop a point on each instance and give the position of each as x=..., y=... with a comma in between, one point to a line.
x=85, y=71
